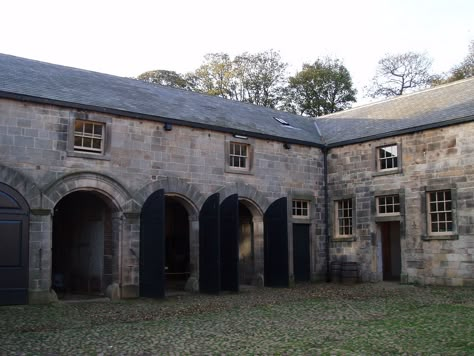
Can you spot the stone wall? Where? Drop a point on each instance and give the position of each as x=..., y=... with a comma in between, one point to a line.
x=142, y=158
x=434, y=159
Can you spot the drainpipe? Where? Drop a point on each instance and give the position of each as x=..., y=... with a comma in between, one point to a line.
x=326, y=213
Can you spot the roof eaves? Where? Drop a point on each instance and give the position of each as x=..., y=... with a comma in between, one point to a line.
x=66, y=104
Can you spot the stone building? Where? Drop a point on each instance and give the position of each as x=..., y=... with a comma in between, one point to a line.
x=114, y=186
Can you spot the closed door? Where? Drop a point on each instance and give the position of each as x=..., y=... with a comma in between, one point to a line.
x=301, y=255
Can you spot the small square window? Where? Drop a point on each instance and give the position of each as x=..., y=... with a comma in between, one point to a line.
x=440, y=213
x=300, y=208
x=238, y=155
x=387, y=158
x=388, y=205
x=88, y=136
x=343, y=220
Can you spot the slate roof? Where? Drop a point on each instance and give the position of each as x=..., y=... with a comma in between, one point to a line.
x=27, y=79
x=435, y=107
x=31, y=80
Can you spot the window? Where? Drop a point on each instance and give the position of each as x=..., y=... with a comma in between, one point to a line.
x=300, y=208
x=387, y=158
x=238, y=155
x=344, y=218
x=440, y=212
x=88, y=136
x=388, y=205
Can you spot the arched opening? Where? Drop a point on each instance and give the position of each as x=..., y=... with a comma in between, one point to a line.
x=246, y=245
x=83, y=247
x=250, y=243
x=177, y=246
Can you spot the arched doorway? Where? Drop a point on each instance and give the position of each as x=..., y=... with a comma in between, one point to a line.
x=82, y=254
x=250, y=243
x=168, y=244
x=177, y=246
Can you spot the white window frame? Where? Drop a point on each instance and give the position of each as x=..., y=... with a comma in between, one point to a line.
x=93, y=118
x=447, y=207
x=239, y=157
x=396, y=157
x=300, y=208
x=82, y=135
x=381, y=198
x=338, y=218
x=249, y=143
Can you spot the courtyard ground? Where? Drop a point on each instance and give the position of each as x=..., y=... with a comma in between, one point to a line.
x=309, y=319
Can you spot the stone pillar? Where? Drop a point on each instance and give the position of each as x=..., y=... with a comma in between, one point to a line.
x=258, y=251
x=192, y=284
x=40, y=256
x=129, y=256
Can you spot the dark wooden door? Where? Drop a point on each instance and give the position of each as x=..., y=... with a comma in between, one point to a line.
x=152, y=246
x=301, y=255
x=209, y=246
x=14, y=245
x=386, y=251
x=276, y=244
x=230, y=236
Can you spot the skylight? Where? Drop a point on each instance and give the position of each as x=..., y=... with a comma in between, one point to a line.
x=281, y=121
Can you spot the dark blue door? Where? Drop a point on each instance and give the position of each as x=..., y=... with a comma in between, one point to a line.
x=209, y=246
x=301, y=256
x=276, y=244
x=14, y=245
x=152, y=246
x=229, y=224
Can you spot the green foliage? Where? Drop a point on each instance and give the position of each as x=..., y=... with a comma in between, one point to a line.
x=398, y=73
x=320, y=88
x=166, y=77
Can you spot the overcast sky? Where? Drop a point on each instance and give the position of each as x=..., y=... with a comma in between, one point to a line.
x=127, y=38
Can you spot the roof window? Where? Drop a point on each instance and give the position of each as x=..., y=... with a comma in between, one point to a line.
x=281, y=121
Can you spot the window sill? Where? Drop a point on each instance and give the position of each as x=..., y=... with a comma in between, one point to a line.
x=238, y=171
x=387, y=172
x=440, y=237
x=102, y=157
x=344, y=238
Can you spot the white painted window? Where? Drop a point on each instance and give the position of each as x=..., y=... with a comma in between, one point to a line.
x=344, y=217
x=388, y=205
x=89, y=136
x=387, y=158
x=440, y=212
x=300, y=208
x=238, y=155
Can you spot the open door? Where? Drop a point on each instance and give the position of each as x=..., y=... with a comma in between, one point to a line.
x=230, y=235
x=152, y=246
x=276, y=244
x=209, y=246
x=13, y=247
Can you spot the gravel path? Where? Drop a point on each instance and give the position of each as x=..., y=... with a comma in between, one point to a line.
x=308, y=319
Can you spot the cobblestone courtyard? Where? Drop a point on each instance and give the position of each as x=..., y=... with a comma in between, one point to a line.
x=308, y=319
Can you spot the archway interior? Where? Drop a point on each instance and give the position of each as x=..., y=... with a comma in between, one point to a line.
x=246, y=245
x=177, y=258
x=82, y=245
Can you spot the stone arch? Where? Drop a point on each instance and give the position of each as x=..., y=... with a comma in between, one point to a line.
x=177, y=187
x=255, y=200
x=192, y=200
x=118, y=196
x=22, y=184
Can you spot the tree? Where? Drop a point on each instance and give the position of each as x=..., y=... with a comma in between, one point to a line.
x=166, y=77
x=260, y=77
x=320, y=88
x=216, y=76
x=398, y=73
